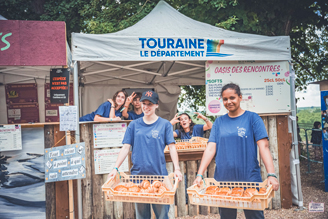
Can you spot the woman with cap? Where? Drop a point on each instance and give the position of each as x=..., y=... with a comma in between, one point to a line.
x=148, y=137
x=188, y=128
x=110, y=110
x=234, y=139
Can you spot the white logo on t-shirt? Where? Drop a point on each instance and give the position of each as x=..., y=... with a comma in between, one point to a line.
x=154, y=133
x=241, y=132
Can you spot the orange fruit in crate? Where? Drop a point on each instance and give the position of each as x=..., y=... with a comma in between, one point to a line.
x=225, y=189
x=145, y=184
x=251, y=190
x=262, y=191
x=237, y=190
x=157, y=184
x=120, y=188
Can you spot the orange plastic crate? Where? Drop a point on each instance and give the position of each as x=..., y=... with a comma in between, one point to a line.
x=166, y=197
x=193, y=144
x=256, y=202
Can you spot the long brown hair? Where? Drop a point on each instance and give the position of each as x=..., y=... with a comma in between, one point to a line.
x=115, y=95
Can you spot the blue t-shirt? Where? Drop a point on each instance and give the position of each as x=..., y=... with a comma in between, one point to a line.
x=148, y=143
x=236, y=147
x=134, y=116
x=197, y=131
x=103, y=111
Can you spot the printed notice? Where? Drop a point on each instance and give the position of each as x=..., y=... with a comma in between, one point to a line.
x=65, y=162
x=68, y=118
x=108, y=135
x=316, y=207
x=105, y=161
x=265, y=86
x=10, y=138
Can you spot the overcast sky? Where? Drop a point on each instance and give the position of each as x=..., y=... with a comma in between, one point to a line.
x=311, y=96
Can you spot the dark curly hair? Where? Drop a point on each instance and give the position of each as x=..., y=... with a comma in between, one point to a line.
x=181, y=130
x=233, y=87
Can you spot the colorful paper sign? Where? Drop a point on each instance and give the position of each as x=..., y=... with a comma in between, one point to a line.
x=10, y=137
x=108, y=135
x=105, y=161
x=65, y=162
x=265, y=86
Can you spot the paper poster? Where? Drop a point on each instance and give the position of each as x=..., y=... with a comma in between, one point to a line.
x=68, y=118
x=10, y=137
x=65, y=162
x=23, y=113
x=21, y=93
x=265, y=86
x=108, y=135
x=105, y=161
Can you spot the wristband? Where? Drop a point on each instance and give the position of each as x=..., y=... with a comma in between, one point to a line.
x=113, y=106
x=117, y=171
x=273, y=175
x=206, y=120
x=122, y=109
x=202, y=178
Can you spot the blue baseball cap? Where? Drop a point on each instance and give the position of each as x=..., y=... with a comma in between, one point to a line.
x=150, y=95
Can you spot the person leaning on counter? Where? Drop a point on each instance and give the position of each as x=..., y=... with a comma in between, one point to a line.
x=108, y=111
x=234, y=139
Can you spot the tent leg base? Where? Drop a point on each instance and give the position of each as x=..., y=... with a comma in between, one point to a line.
x=302, y=208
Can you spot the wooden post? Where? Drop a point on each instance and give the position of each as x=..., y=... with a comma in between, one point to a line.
x=70, y=184
x=191, y=175
x=50, y=187
x=118, y=210
x=284, y=142
x=170, y=169
x=87, y=202
x=181, y=194
x=211, y=171
x=273, y=141
x=62, y=205
x=203, y=210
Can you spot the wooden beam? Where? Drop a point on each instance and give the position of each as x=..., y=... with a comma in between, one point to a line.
x=186, y=156
x=50, y=187
x=191, y=175
x=211, y=171
x=284, y=142
x=181, y=194
x=170, y=169
x=87, y=202
x=203, y=210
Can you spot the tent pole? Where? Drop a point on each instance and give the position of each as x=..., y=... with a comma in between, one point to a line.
x=77, y=132
x=295, y=139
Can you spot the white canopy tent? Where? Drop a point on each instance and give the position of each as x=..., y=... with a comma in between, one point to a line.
x=164, y=50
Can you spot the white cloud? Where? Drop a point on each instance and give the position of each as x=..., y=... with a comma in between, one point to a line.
x=311, y=96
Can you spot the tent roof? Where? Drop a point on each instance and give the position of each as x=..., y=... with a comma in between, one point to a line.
x=164, y=23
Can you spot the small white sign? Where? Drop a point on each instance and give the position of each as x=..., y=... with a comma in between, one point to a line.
x=69, y=173
x=69, y=151
x=104, y=161
x=316, y=207
x=49, y=165
x=52, y=175
x=68, y=118
x=51, y=113
x=54, y=154
x=10, y=137
x=60, y=163
x=76, y=161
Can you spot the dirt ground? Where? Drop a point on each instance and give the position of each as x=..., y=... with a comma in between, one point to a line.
x=313, y=190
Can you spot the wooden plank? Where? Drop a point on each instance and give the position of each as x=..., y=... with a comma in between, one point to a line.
x=191, y=170
x=62, y=207
x=70, y=184
x=50, y=187
x=87, y=202
x=170, y=169
x=186, y=156
x=75, y=199
x=211, y=171
x=108, y=206
x=118, y=210
x=181, y=194
x=273, y=141
x=284, y=142
x=203, y=210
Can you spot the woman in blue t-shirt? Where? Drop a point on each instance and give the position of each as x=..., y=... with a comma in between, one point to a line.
x=234, y=139
x=148, y=137
x=111, y=110
x=188, y=128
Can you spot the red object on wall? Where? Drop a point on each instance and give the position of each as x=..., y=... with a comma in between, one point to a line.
x=23, y=113
x=21, y=93
x=27, y=43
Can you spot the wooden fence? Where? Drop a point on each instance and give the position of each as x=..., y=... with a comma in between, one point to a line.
x=95, y=206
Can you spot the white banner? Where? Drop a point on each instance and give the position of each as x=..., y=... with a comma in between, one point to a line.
x=265, y=86
x=108, y=134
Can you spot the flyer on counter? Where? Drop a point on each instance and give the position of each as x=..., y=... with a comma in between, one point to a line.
x=10, y=137
x=108, y=135
x=68, y=118
x=65, y=162
x=105, y=161
x=265, y=86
